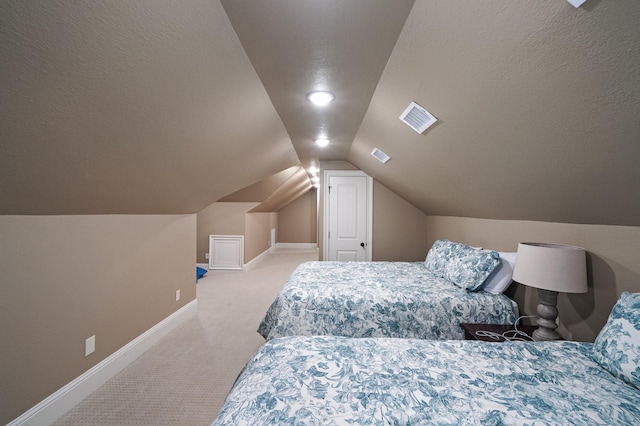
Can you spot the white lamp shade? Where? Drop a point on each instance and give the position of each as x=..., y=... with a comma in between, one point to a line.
x=552, y=267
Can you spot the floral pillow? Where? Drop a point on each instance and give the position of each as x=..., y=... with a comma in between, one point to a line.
x=461, y=264
x=617, y=347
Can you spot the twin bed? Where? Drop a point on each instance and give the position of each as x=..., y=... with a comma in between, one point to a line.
x=379, y=343
x=379, y=299
x=329, y=380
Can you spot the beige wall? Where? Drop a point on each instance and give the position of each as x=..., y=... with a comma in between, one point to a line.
x=298, y=222
x=220, y=219
x=229, y=218
x=612, y=259
x=233, y=218
x=399, y=228
x=66, y=278
x=257, y=235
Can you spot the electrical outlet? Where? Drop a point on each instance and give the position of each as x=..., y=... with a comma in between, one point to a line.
x=177, y=295
x=206, y=256
x=89, y=345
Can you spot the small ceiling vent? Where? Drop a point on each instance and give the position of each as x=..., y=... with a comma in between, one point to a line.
x=418, y=118
x=380, y=156
x=576, y=3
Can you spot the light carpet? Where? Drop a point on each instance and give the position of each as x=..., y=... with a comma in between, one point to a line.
x=184, y=378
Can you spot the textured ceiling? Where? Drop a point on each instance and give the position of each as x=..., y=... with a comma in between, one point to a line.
x=274, y=192
x=129, y=107
x=298, y=47
x=157, y=106
x=538, y=107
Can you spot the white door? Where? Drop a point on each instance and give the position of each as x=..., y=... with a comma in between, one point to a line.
x=348, y=230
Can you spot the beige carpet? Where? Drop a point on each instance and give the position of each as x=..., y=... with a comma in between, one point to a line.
x=183, y=379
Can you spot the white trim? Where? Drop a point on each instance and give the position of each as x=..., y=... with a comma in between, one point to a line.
x=301, y=246
x=253, y=262
x=57, y=404
x=259, y=258
x=325, y=201
x=226, y=252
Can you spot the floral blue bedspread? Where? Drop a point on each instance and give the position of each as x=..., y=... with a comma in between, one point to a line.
x=329, y=380
x=378, y=299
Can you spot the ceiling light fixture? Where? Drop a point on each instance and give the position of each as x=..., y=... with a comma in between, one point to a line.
x=313, y=170
x=322, y=142
x=320, y=98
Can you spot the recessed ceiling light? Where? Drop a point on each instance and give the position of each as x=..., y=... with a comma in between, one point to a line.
x=320, y=98
x=322, y=142
x=313, y=170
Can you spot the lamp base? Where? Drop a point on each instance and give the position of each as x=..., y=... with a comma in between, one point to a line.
x=547, y=301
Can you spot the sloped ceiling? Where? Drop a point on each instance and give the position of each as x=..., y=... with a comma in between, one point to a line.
x=261, y=190
x=297, y=47
x=538, y=107
x=274, y=192
x=129, y=107
x=156, y=106
x=290, y=191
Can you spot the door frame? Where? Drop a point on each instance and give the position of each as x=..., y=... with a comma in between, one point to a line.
x=325, y=220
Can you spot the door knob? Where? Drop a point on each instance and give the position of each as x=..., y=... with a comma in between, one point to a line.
x=361, y=244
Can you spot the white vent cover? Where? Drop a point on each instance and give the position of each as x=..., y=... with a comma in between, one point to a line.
x=418, y=118
x=381, y=156
x=577, y=3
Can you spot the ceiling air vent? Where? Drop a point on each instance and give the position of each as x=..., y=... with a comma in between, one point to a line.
x=418, y=118
x=380, y=156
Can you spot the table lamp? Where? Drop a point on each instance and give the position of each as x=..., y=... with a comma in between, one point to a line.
x=551, y=268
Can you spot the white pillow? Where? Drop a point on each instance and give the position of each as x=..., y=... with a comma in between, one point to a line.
x=500, y=278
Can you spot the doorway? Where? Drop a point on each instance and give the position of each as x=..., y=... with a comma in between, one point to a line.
x=347, y=215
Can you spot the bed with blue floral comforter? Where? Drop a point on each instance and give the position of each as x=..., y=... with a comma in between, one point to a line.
x=329, y=380
x=379, y=299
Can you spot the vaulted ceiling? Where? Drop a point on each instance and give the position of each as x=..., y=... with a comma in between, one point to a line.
x=157, y=106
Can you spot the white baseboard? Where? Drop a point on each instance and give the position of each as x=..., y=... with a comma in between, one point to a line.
x=259, y=258
x=253, y=262
x=304, y=246
x=67, y=397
